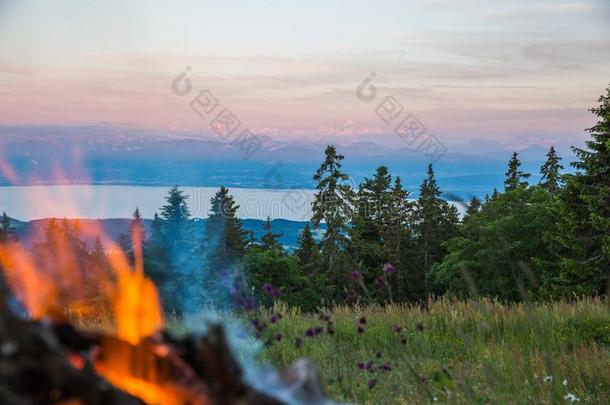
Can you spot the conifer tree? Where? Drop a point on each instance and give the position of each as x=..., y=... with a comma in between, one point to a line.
x=550, y=179
x=225, y=240
x=368, y=224
x=435, y=222
x=7, y=231
x=269, y=240
x=473, y=207
x=583, y=239
x=515, y=178
x=333, y=205
x=308, y=251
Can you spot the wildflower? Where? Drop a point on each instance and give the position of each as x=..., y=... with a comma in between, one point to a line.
x=279, y=316
x=548, y=378
x=372, y=383
x=309, y=332
x=378, y=355
x=419, y=327
x=571, y=397
x=298, y=342
x=362, y=320
x=318, y=330
x=360, y=330
x=355, y=275
x=564, y=383
x=361, y=366
x=389, y=268
x=369, y=365
x=397, y=328
x=273, y=319
x=330, y=330
x=278, y=337
x=385, y=367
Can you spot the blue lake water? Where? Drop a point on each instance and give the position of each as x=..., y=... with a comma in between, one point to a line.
x=108, y=201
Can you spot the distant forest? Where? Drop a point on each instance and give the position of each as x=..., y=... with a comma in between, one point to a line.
x=540, y=241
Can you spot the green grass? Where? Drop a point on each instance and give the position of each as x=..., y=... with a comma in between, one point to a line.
x=467, y=353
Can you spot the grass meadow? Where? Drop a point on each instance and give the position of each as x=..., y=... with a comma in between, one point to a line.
x=452, y=352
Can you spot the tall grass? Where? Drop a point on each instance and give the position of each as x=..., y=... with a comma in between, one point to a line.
x=452, y=352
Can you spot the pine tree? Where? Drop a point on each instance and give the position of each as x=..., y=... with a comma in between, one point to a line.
x=269, y=240
x=550, y=179
x=225, y=240
x=583, y=239
x=308, y=251
x=7, y=231
x=333, y=205
x=435, y=222
x=515, y=178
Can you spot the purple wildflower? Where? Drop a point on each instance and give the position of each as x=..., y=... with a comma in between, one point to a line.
x=318, y=330
x=330, y=330
x=362, y=320
x=379, y=282
x=273, y=319
x=378, y=355
x=372, y=383
x=355, y=275
x=397, y=328
x=361, y=366
x=309, y=332
x=388, y=268
x=360, y=330
x=298, y=342
x=419, y=327
x=278, y=337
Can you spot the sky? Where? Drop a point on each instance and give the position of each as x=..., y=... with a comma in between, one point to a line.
x=510, y=71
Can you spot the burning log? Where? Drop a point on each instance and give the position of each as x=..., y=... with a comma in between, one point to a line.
x=42, y=362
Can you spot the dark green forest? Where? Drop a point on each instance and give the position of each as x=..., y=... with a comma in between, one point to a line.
x=542, y=241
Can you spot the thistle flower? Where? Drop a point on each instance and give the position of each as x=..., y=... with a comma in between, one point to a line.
x=360, y=330
x=419, y=327
x=355, y=275
x=278, y=337
x=273, y=319
x=397, y=328
x=309, y=332
x=389, y=268
x=330, y=330
x=361, y=366
x=362, y=320
x=379, y=282
x=372, y=383
x=318, y=330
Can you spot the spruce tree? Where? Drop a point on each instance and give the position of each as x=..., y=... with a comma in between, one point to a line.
x=515, y=178
x=473, y=207
x=435, y=222
x=333, y=205
x=308, y=251
x=7, y=231
x=269, y=240
x=225, y=240
x=373, y=203
x=583, y=239
x=550, y=179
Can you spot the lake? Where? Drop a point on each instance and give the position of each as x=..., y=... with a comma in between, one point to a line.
x=110, y=201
